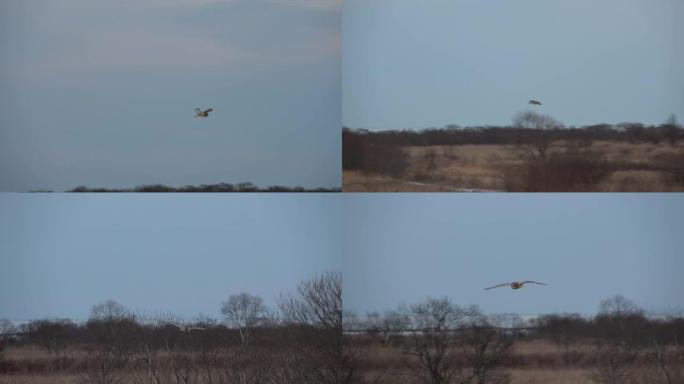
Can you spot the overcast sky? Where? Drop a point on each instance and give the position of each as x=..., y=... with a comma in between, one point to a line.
x=402, y=248
x=62, y=253
x=417, y=64
x=102, y=93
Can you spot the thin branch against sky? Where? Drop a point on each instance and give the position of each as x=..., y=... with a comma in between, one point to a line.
x=183, y=254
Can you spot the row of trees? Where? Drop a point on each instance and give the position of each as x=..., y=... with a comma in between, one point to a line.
x=221, y=187
x=551, y=156
x=442, y=343
x=301, y=340
x=298, y=341
x=524, y=124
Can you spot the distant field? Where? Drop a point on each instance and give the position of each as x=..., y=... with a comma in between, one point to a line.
x=602, y=166
x=531, y=362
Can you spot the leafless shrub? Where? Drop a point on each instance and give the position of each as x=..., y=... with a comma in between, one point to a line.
x=314, y=314
x=184, y=368
x=107, y=365
x=450, y=344
x=360, y=154
x=244, y=312
x=244, y=367
x=485, y=350
x=384, y=329
x=567, y=171
x=110, y=310
x=666, y=371
x=534, y=140
x=575, y=168
x=615, y=365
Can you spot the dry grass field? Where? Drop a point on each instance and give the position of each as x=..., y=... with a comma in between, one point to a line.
x=627, y=167
x=531, y=362
x=33, y=365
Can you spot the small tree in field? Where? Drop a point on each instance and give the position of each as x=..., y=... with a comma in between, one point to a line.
x=244, y=312
x=535, y=141
x=448, y=344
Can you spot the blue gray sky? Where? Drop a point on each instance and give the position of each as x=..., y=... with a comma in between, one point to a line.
x=103, y=93
x=417, y=64
x=402, y=248
x=61, y=253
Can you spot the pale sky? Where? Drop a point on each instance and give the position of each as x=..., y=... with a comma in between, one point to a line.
x=419, y=64
x=180, y=253
x=402, y=248
x=102, y=93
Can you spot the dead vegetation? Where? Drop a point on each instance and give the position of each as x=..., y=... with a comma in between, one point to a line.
x=438, y=342
x=433, y=341
x=299, y=342
x=536, y=154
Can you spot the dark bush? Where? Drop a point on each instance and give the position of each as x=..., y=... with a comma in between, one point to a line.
x=372, y=155
x=571, y=170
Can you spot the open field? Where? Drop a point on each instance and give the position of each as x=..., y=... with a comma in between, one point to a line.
x=237, y=364
x=438, y=342
x=298, y=341
x=529, y=361
x=387, y=364
x=601, y=166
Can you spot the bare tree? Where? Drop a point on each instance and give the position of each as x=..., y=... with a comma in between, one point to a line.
x=485, y=349
x=535, y=142
x=318, y=302
x=431, y=347
x=448, y=344
x=315, y=313
x=619, y=305
x=244, y=312
x=665, y=371
x=110, y=310
x=615, y=365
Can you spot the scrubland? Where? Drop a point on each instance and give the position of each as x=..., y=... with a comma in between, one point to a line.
x=535, y=155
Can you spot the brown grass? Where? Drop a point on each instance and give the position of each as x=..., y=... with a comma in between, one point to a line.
x=632, y=168
x=41, y=379
x=354, y=181
x=550, y=376
x=531, y=362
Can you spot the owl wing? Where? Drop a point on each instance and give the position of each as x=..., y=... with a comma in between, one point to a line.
x=497, y=286
x=533, y=282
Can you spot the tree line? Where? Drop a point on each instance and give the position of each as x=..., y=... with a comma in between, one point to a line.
x=549, y=156
x=524, y=124
x=220, y=187
x=297, y=341
x=439, y=342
